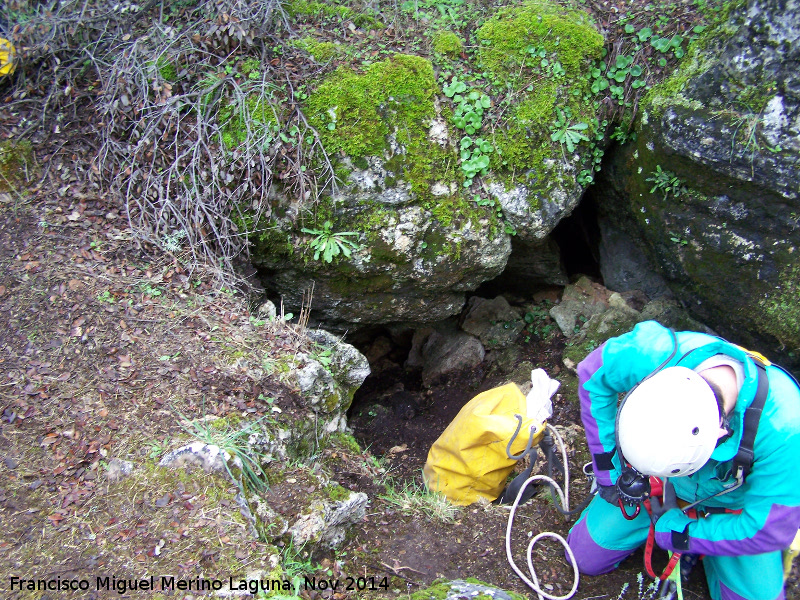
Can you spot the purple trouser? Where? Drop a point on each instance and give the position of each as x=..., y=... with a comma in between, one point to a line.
x=602, y=538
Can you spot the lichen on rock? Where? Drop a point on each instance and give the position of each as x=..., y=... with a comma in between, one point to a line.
x=712, y=183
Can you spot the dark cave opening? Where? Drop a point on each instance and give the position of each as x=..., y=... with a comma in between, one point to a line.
x=578, y=239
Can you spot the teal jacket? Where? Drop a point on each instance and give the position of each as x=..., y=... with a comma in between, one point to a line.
x=769, y=500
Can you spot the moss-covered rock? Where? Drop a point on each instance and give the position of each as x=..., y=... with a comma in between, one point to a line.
x=447, y=43
x=712, y=184
x=413, y=224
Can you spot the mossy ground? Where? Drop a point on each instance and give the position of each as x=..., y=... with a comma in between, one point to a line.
x=17, y=166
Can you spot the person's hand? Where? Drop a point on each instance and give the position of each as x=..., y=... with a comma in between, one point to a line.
x=670, y=501
x=608, y=493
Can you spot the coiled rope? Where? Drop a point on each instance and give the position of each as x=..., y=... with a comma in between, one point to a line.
x=533, y=581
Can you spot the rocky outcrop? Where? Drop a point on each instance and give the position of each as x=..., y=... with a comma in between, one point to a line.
x=711, y=187
x=429, y=199
x=589, y=314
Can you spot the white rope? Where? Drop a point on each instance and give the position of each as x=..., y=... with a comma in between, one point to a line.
x=533, y=581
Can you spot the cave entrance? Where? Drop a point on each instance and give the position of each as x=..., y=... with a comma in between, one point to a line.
x=578, y=239
x=398, y=417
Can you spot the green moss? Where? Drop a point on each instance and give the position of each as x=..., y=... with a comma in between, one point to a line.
x=16, y=164
x=356, y=286
x=366, y=20
x=311, y=8
x=167, y=69
x=256, y=117
x=447, y=43
x=755, y=98
x=337, y=493
x=781, y=308
x=321, y=51
x=272, y=241
x=701, y=55
x=250, y=66
x=440, y=590
x=360, y=162
x=569, y=38
x=670, y=91
x=568, y=34
x=357, y=112
x=230, y=422
x=520, y=143
x=345, y=441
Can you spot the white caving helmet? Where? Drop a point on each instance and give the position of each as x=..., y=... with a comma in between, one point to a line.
x=668, y=426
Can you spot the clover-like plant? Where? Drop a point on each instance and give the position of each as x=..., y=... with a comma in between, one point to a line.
x=468, y=116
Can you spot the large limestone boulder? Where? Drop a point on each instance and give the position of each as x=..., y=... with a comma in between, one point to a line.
x=428, y=195
x=711, y=187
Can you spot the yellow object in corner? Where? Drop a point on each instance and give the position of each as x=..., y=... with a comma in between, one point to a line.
x=789, y=554
x=469, y=459
x=8, y=57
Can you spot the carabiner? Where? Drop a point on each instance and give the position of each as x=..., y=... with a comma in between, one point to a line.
x=625, y=513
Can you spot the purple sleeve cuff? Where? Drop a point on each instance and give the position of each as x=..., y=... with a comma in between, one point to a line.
x=586, y=370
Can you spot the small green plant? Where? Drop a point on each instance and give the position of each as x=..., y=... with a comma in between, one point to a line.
x=156, y=448
x=329, y=244
x=323, y=356
x=538, y=322
x=106, y=296
x=678, y=239
x=666, y=181
x=569, y=135
x=172, y=242
x=468, y=116
x=297, y=581
x=234, y=442
x=623, y=134
x=150, y=290
x=665, y=44
x=257, y=322
x=414, y=499
x=498, y=211
x=296, y=563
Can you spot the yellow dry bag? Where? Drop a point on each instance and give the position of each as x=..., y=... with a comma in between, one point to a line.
x=7, y=57
x=469, y=459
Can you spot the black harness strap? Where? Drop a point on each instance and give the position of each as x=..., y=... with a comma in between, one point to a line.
x=744, y=457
